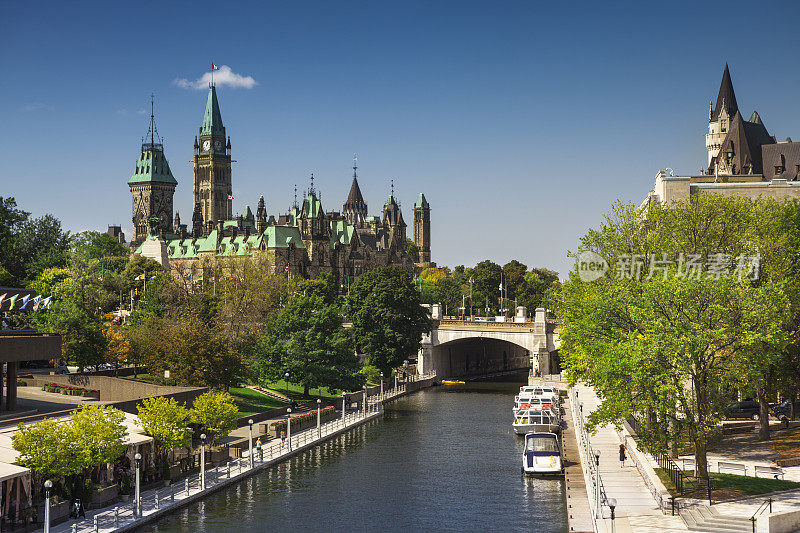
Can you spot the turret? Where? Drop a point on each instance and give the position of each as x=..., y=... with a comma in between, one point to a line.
x=176, y=227
x=197, y=221
x=422, y=229
x=261, y=215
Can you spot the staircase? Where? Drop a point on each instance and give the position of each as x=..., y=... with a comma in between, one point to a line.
x=271, y=394
x=705, y=518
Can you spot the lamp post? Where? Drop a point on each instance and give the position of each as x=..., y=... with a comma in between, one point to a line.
x=250, y=422
x=203, y=461
x=286, y=383
x=598, y=513
x=395, y=381
x=137, y=507
x=289, y=427
x=612, y=503
x=364, y=407
x=344, y=407
x=319, y=419
x=381, y=385
x=47, y=486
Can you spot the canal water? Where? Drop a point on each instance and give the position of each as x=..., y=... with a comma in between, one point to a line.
x=443, y=459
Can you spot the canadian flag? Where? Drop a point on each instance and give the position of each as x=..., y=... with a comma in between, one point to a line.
x=230, y=196
x=214, y=67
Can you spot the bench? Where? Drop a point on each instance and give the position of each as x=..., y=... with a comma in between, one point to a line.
x=769, y=471
x=738, y=467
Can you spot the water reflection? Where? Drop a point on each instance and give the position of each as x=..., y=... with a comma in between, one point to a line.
x=445, y=459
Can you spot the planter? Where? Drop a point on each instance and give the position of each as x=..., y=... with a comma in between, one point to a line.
x=124, y=497
x=175, y=471
x=166, y=482
x=218, y=457
x=102, y=497
x=59, y=512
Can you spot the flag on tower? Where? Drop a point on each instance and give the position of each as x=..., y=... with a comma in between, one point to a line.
x=214, y=67
x=230, y=196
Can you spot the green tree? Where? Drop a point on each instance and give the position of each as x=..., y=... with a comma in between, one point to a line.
x=388, y=320
x=166, y=421
x=514, y=274
x=216, y=413
x=487, y=276
x=46, y=447
x=307, y=341
x=93, y=245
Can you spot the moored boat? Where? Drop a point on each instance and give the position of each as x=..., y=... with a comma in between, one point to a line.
x=535, y=418
x=542, y=454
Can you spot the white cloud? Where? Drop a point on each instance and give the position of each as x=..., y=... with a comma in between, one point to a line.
x=223, y=76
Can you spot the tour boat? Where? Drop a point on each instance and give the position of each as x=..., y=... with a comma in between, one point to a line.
x=529, y=418
x=525, y=400
x=452, y=382
x=542, y=455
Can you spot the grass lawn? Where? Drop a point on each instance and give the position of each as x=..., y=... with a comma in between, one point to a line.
x=251, y=402
x=727, y=486
x=787, y=443
x=296, y=391
x=145, y=378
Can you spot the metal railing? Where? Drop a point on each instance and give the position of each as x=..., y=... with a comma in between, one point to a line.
x=761, y=508
x=588, y=460
x=675, y=474
x=155, y=500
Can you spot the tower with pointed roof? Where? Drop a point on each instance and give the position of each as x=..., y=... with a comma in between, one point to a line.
x=720, y=116
x=212, y=164
x=152, y=185
x=355, y=208
x=422, y=229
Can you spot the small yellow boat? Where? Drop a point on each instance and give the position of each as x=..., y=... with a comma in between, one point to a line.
x=451, y=382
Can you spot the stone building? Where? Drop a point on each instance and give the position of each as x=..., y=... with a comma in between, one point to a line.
x=743, y=158
x=306, y=241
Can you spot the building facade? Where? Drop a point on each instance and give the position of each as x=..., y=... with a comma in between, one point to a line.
x=306, y=241
x=743, y=158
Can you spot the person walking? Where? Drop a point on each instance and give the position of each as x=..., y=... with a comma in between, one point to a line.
x=260, y=450
x=283, y=437
x=621, y=455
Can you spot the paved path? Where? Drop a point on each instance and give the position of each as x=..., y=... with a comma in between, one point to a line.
x=636, y=509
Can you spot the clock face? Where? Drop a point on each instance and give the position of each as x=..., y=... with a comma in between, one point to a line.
x=206, y=144
x=218, y=145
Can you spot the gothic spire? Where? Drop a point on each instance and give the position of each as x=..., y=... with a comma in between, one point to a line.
x=726, y=96
x=212, y=119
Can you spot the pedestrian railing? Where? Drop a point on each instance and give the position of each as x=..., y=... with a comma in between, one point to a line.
x=594, y=482
x=153, y=501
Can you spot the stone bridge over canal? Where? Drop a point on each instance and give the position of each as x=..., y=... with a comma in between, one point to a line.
x=475, y=348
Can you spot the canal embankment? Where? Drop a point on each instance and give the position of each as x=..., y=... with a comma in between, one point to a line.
x=156, y=503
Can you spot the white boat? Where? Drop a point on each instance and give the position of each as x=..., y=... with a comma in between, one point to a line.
x=541, y=392
x=535, y=418
x=542, y=455
x=525, y=400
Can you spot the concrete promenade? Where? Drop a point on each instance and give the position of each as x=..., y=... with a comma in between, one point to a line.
x=156, y=503
x=637, y=510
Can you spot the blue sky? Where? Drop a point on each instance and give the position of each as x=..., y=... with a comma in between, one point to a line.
x=521, y=121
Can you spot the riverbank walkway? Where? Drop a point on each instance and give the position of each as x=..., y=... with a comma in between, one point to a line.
x=636, y=510
x=156, y=503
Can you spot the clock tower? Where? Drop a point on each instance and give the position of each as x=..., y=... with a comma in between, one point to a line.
x=212, y=164
x=152, y=187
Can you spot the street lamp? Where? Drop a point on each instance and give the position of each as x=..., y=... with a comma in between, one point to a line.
x=381, y=385
x=203, y=461
x=319, y=419
x=136, y=503
x=250, y=422
x=286, y=383
x=289, y=427
x=47, y=486
x=364, y=407
x=597, y=483
x=344, y=408
x=612, y=503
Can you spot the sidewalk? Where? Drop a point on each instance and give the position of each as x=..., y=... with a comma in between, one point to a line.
x=636, y=509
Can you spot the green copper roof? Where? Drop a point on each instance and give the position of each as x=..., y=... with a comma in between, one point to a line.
x=421, y=201
x=312, y=207
x=212, y=120
x=152, y=167
x=281, y=236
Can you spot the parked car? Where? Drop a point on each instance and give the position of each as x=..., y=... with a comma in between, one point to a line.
x=744, y=409
x=785, y=409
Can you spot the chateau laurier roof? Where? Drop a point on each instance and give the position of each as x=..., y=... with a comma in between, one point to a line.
x=726, y=96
